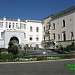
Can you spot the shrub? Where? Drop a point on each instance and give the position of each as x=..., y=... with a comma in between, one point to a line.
x=68, y=48
x=10, y=44
x=71, y=47
x=13, y=49
x=3, y=50
x=6, y=56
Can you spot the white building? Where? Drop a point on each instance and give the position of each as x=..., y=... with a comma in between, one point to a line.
x=20, y=31
x=59, y=29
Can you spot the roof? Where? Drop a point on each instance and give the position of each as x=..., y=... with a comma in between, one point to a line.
x=35, y=21
x=62, y=12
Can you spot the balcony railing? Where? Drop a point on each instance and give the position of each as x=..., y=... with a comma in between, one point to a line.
x=47, y=31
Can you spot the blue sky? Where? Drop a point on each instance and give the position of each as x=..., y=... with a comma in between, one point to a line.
x=32, y=9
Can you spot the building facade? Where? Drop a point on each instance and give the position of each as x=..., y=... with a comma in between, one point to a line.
x=56, y=29
x=59, y=29
x=22, y=32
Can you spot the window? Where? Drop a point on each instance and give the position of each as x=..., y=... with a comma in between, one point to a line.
x=49, y=27
x=1, y=34
x=6, y=24
x=58, y=37
x=30, y=38
x=53, y=26
x=9, y=25
x=24, y=35
x=44, y=38
x=70, y=19
x=49, y=38
x=1, y=24
x=20, y=25
x=63, y=23
x=72, y=37
x=37, y=29
x=30, y=28
x=44, y=29
x=54, y=36
x=16, y=25
x=24, y=26
x=13, y=25
x=37, y=38
x=63, y=36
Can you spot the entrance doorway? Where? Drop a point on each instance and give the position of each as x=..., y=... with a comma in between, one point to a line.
x=14, y=40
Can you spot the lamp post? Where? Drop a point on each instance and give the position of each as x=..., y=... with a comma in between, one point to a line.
x=44, y=54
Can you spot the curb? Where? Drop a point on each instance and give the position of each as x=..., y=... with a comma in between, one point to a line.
x=36, y=61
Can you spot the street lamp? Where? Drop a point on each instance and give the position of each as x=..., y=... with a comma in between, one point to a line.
x=44, y=54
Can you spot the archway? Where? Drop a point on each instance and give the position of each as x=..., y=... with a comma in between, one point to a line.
x=14, y=40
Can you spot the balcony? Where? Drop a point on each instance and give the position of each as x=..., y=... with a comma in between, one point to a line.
x=47, y=32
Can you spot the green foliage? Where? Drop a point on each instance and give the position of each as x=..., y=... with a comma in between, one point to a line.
x=19, y=57
x=3, y=50
x=6, y=56
x=10, y=44
x=68, y=48
x=13, y=49
x=71, y=47
x=46, y=45
x=61, y=47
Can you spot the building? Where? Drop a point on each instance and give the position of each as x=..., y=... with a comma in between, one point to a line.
x=21, y=32
x=56, y=29
x=59, y=29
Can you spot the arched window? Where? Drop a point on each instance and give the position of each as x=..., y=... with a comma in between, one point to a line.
x=13, y=25
x=30, y=38
x=30, y=28
x=37, y=38
x=53, y=26
x=49, y=27
x=16, y=25
x=37, y=29
x=44, y=29
x=6, y=24
x=54, y=36
x=1, y=24
x=72, y=37
x=24, y=35
x=44, y=38
x=58, y=37
x=63, y=36
x=9, y=25
x=24, y=26
x=63, y=23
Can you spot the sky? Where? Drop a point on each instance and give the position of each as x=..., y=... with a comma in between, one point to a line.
x=32, y=9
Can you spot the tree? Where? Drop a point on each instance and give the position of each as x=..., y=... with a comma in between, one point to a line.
x=13, y=49
x=10, y=44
